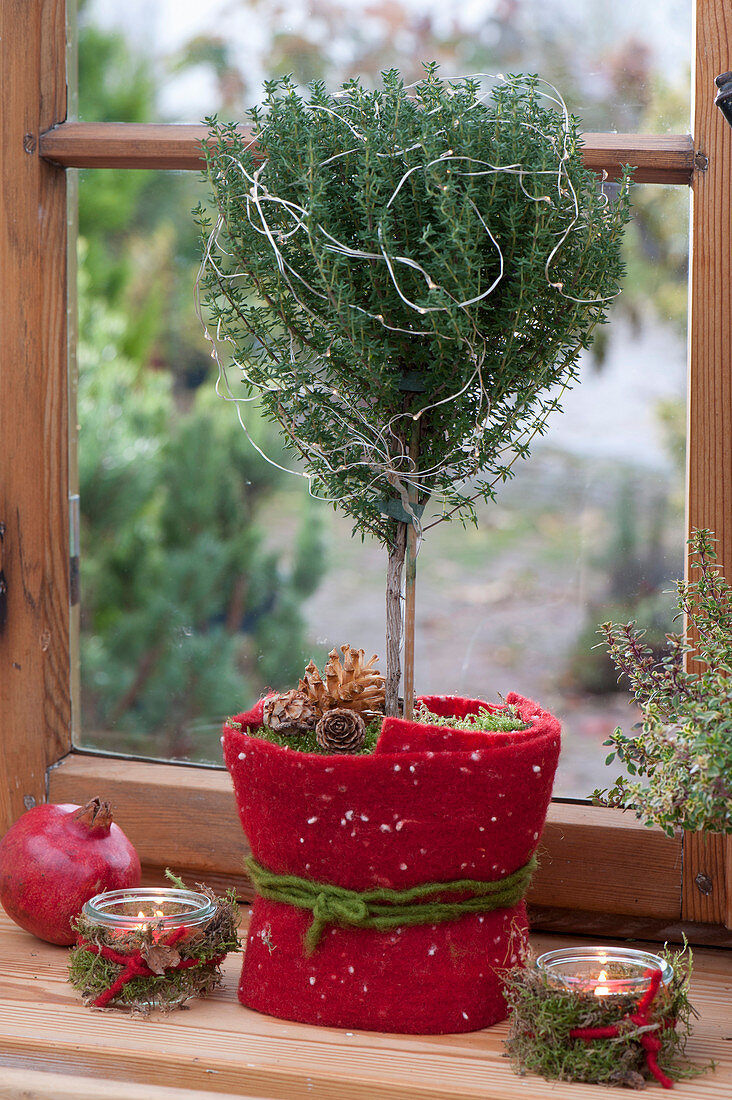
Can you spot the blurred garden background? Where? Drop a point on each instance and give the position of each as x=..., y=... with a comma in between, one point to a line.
x=208, y=575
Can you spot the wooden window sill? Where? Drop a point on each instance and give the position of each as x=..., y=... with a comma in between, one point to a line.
x=52, y=1047
x=592, y=859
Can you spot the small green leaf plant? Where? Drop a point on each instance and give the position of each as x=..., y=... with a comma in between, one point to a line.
x=405, y=277
x=680, y=759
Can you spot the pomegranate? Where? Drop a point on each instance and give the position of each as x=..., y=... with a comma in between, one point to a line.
x=56, y=857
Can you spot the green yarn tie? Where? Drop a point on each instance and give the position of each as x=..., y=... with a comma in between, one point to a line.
x=382, y=909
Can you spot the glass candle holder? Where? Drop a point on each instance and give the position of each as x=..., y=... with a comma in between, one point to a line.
x=160, y=947
x=141, y=909
x=602, y=971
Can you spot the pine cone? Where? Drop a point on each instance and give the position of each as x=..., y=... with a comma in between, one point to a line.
x=290, y=712
x=341, y=730
x=313, y=687
x=354, y=684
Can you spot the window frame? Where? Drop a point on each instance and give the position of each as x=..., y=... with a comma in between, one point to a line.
x=599, y=863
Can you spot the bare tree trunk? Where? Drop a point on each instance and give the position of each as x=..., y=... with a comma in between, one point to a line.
x=394, y=621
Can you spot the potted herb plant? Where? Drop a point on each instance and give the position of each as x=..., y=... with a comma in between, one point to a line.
x=405, y=278
x=679, y=762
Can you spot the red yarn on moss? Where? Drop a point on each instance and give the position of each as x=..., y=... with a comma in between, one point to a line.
x=135, y=965
x=641, y=1018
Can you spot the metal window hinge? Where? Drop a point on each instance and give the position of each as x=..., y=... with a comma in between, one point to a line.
x=74, y=540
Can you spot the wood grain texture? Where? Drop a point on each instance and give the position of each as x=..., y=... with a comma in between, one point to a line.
x=705, y=885
x=34, y=646
x=658, y=158
x=183, y=817
x=601, y=926
x=728, y=881
x=605, y=861
x=218, y=1046
x=709, y=444
x=44, y=1084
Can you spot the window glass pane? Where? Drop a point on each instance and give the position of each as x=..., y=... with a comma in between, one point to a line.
x=621, y=67
x=207, y=576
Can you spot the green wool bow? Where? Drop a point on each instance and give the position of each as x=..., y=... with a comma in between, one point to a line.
x=381, y=908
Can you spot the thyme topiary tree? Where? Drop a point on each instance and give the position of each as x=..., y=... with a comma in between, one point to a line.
x=406, y=278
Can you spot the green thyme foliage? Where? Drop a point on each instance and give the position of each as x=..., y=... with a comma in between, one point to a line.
x=351, y=271
x=543, y=1016
x=503, y=721
x=681, y=757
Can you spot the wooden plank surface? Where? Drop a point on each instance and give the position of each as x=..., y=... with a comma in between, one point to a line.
x=34, y=643
x=590, y=858
x=705, y=885
x=660, y=158
x=580, y=922
x=709, y=443
x=34, y=1084
x=220, y=1047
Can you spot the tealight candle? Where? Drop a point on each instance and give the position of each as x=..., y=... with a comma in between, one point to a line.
x=158, y=910
x=602, y=971
x=161, y=947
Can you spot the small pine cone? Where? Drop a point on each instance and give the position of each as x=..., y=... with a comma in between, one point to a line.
x=341, y=730
x=290, y=712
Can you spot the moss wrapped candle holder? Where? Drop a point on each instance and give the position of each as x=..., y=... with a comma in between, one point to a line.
x=602, y=1015
x=151, y=948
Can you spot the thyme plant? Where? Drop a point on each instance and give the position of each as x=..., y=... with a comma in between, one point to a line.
x=406, y=277
x=680, y=760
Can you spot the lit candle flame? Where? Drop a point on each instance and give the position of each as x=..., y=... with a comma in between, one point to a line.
x=159, y=913
x=140, y=915
x=601, y=990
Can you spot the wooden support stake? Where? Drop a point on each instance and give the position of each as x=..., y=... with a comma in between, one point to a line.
x=394, y=622
x=410, y=581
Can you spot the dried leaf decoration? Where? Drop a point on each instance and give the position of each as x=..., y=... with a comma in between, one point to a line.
x=159, y=957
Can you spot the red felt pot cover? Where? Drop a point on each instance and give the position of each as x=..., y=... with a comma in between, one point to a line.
x=429, y=805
